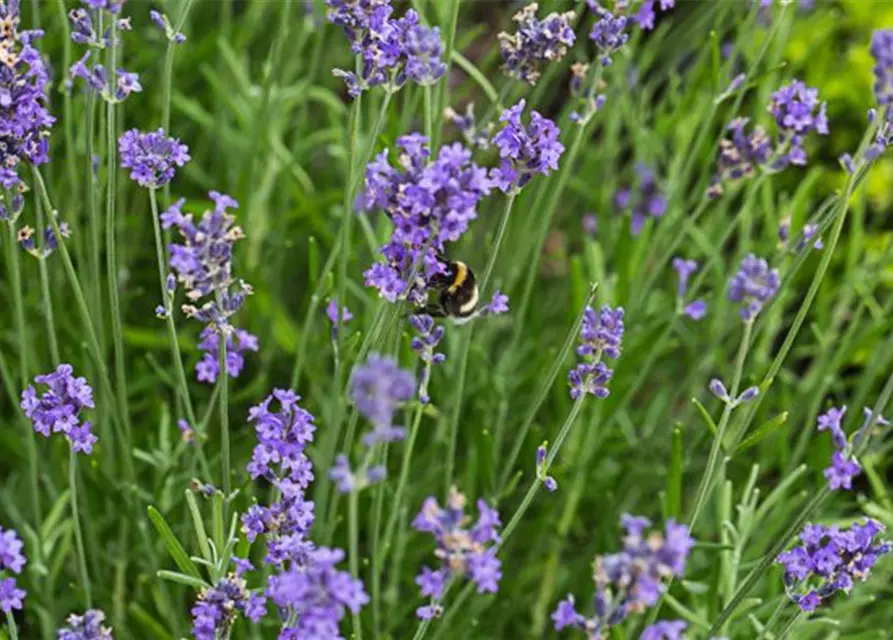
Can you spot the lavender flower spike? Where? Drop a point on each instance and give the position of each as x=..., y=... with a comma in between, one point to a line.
x=13, y=560
x=536, y=43
x=86, y=627
x=830, y=560
x=58, y=409
x=151, y=157
x=608, y=33
x=601, y=334
x=755, y=284
x=462, y=551
x=525, y=150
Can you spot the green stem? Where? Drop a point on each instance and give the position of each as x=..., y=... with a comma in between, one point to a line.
x=785, y=630
x=78, y=534
x=465, y=344
x=169, y=68
x=224, y=420
x=401, y=483
x=782, y=603
x=46, y=299
x=543, y=392
x=93, y=214
x=12, y=248
x=11, y=624
x=706, y=484
x=537, y=482
x=173, y=341
x=353, y=529
x=84, y=310
x=545, y=223
x=429, y=117
x=443, y=92
x=111, y=238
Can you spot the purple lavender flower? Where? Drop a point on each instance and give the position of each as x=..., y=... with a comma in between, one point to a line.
x=11, y=597
x=632, y=580
x=316, y=595
x=163, y=22
x=431, y=204
x=216, y=608
x=97, y=78
x=797, y=112
x=392, y=50
x=425, y=344
x=379, y=387
x=536, y=43
x=647, y=200
x=85, y=627
x=151, y=157
x=332, y=313
x=831, y=421
x=187, y=433
x=525, y=151
x=830, y=560
x=601, y=334
x=844, y=466
x=203, y=263
x=238, y=343
x=842, y=471
x=754, y=284
x=665, y=630
x=548, y=481
x=11, y=556
x=741, y=154
x=26, y=235
x=696, y=309
x=58, y=409
x=498, y=305
x=462, y=551
x=24, y=118
x=279, y=457
x=608, y=33
x=645, y=18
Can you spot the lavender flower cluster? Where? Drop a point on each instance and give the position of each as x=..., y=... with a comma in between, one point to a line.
x=844, y=465
x=378, y=389
x=311, y=593
x=696, y=309
x=630, y=581
x=58, y=409
x=647, y=201
x=425, y=344
x=390, y=50
x=25, y=120
x=86, y=627
x=203, y=263
x=238, y=343
x=754, y=285
x=797, y=112
x=217, y=607
x=830, y=560
x=84, y=24
x=462, y=552
x=601, y=334
x=151, y=157
x=524, y=151
x=11, y=560
x=537, y=42
x=431, y=204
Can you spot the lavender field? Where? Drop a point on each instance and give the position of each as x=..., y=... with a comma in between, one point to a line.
x=446, y=319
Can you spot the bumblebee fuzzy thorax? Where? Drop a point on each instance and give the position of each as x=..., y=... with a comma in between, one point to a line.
x=458, y=292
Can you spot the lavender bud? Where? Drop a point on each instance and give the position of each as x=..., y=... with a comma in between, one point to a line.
x=748, y=394
x=719, y=389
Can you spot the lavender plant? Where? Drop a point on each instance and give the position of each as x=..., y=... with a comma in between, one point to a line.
x=718, y=190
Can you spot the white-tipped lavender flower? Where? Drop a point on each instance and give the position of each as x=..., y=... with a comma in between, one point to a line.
x=151, y=157
x=747, y=395
x=462, y=551
x=524, y=151
x=536, y=44
x=86, y=627
x=203, y=263
x=608, y=33
x=754, y=284
x=718, y=389
x=632, y=580
x=830, y=560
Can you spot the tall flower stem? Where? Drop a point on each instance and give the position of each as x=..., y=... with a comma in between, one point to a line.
x=545, y=223
x=15, y=276
x=46, y=298
x=11, y=625
x=401, y=483
x=443, y=87
x=95, y=245
x=354, y=552
x=465, y=345
x=223, y=381
x=543, y=392
x=111, y=239
x=172, y=336
x=67, y=108
x=167, y=80
x=707, y=480
x=84, y=311
x=78, y=533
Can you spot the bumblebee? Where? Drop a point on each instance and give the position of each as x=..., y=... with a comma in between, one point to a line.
x=457, y=293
